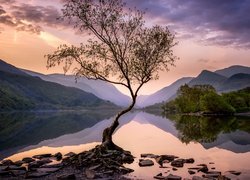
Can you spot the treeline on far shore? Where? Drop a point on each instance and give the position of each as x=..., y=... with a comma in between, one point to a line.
x=203, y=99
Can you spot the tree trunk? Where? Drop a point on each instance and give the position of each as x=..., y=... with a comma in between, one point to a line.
x=107, y=141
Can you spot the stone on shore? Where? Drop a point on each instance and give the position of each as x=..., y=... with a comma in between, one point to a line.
x=145, y=162
x=41, y=156
x=178, y=163
x=173, y=177
x=28, y=159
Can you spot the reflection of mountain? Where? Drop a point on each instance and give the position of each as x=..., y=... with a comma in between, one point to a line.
x=22, y=129
x=238, y=141
x=99, y=88
x=210, y=129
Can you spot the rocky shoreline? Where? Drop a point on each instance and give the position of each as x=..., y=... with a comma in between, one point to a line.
x=102, y=164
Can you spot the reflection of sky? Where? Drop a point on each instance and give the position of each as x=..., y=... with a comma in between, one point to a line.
x=145, y=133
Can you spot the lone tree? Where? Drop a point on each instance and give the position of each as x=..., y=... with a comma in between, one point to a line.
x=121, y=49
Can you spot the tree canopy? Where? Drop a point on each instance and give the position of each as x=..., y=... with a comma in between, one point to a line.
x=121, y=49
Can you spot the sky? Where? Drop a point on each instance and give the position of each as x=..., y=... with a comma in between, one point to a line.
x=212, y=34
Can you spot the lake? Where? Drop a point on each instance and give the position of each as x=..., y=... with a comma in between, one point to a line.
x=221, y=143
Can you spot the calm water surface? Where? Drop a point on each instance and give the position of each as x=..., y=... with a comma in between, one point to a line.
x=223, y=141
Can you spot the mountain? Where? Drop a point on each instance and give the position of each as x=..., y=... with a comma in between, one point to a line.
x=225, y=80
x=208, y=77
x=101, y=89
x=235, y=82
x=20, y=91
x=164, y=94
x=232, y=70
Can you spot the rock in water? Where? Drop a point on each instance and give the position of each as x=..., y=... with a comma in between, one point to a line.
x=146, y=162
x=173, y=177
x=28, y=159
x=178, y=163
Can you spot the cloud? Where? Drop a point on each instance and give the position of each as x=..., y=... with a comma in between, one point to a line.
x=18, y=24
x=227, y=20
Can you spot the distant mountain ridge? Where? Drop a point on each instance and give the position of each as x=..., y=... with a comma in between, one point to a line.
x=20, y=91
x=224, y=80
x=101, y=89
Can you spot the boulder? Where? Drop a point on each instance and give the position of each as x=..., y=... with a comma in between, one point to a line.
x=7, y=162
x=19, y=163
x=178, y=163
x=28, y=159
x=191, y=172
x=58, y=156
x=47, y=170
x=189, y=161
x=149, y=155
x=58, y=165
x=18, y=172
x=39, y=163
x=70, y=154
x=159, y=176
x=41, y=156
x=14, y=167
x=145, y=162
x=173, y=177
x=203, y=169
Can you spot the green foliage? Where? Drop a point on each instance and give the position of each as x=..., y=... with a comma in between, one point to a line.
x=240, y=100
x=214, y=103
x=203, y=98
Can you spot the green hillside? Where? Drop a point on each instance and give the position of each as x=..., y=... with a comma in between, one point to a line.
x=24, y=92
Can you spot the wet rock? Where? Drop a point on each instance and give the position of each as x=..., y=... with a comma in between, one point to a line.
x=39, y=163
x=159, y=176
x=47, y=170
x=95, y=167
x=7, y=162
x=67, y=177
x=28, y=160
x=203, y=169
x=14, y=167
x=160, y=160
x=191, y=172
x=125, y=170
x=145, y=162
x=58, y=165
x=211, y=162
x=41, y=156
x=90, y=174
x=197, y=178
x=178, y=163
x=70, y=154
x=18, y=172
x=149, y=155
x=127, y=158
x=237, y=173
x=211, y=176
x=58, y=156
x=174, y=169
x=36, y=174
x=189, y=161
x=172, y=177
x=18, y=163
